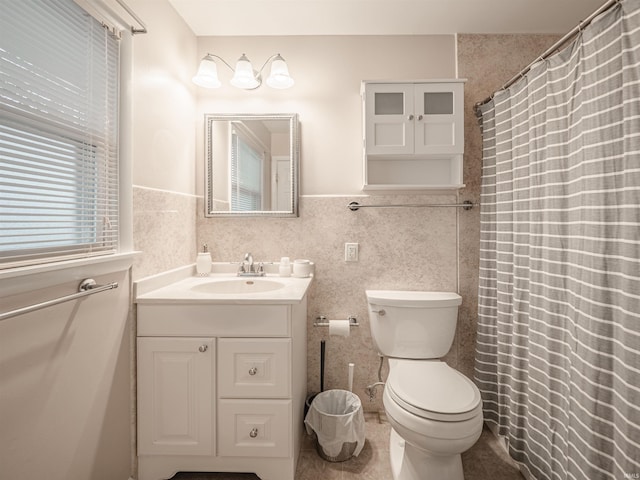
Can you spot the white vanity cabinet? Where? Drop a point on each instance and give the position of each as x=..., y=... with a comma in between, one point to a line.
x=221, y=388
x=413, y=134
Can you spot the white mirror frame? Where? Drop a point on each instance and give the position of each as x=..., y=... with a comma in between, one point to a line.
x=294, y=149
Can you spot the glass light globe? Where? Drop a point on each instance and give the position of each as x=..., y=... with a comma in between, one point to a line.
x=279, y=77
x=207, y=75
x=244, y=76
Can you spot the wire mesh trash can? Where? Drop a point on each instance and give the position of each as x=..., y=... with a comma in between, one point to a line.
x=337, y=420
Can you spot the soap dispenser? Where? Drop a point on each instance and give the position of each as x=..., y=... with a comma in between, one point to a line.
x=203, y=262
x=285, y=267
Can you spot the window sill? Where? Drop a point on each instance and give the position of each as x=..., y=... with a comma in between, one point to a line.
x=19, y=280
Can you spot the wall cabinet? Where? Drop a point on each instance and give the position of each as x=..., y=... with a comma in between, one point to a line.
x=221, y=388
x=413, y=134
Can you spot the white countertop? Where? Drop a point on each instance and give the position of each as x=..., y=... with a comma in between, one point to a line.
x=187, y=290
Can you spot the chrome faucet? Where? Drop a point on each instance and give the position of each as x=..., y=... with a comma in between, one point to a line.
x=248, y=261
x=248, y=268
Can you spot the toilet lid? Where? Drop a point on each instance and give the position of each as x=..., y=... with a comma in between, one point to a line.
x=432, y=389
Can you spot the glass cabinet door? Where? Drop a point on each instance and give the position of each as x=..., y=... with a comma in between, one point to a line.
x=389, y=126
x=439, y=110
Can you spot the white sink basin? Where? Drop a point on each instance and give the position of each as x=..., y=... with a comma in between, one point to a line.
x=222, y=286
x=239, y=286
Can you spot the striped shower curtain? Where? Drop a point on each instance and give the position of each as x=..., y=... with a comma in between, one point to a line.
x=558, y=341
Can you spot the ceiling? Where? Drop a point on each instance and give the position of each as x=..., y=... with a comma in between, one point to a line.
x=381, y=17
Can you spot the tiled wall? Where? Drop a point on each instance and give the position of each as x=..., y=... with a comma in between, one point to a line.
x=408, y=248
x=164, y=231
x=487, y=62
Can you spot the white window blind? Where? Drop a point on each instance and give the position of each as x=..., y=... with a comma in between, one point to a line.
x=246, y=173
x=58, y=134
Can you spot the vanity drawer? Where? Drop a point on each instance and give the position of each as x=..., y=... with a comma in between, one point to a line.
x=208, y=320
x=254, y=367
x=254, y=428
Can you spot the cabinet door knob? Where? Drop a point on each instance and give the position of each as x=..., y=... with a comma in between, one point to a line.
x=253, y=433
x=203, y=348
x=253, y=371
x=420, y=117
x=410, y=117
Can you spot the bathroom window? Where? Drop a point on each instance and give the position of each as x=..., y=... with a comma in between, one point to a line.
x=58, y=134
x=247, y=171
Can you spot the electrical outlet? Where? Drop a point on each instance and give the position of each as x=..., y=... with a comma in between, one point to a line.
x=350, y=252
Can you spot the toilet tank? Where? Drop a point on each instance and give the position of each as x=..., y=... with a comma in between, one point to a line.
x=410, y=324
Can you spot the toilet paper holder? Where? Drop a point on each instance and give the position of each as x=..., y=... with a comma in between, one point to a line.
x=321, y=321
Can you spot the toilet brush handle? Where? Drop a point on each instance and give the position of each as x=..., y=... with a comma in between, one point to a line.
x=351, y=366
x=322, y=352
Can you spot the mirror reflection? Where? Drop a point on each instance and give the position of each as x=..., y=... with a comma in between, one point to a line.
x=252, y=165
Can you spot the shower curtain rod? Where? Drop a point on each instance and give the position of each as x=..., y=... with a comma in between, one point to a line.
x=547, y=53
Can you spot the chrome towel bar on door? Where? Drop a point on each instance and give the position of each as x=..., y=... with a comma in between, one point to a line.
x=466, y=205
x=88, y=286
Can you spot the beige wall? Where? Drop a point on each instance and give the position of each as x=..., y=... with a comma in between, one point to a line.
x=164, y=136
x=326, y=95
x=164, y=100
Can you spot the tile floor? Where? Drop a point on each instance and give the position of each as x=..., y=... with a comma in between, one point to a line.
x=486, y=460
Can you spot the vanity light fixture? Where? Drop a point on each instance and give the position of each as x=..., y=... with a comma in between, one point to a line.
x=244, y=76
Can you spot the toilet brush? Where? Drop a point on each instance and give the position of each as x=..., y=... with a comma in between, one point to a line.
x=311, y=396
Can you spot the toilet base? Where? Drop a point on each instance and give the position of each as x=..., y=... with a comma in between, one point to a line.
x=411, y=463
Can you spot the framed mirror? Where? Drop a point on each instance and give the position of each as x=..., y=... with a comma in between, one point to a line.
x=252, y=163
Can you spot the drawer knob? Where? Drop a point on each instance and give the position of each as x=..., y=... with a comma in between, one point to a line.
x=253, y=433
x=203, y=348
x=253, y=371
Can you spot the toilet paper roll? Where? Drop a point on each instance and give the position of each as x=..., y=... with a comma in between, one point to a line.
x=339, y=327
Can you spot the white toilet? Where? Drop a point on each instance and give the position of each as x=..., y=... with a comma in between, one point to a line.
x=435, y=411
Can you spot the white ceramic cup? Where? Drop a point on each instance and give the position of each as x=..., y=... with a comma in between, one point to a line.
x=302, y=268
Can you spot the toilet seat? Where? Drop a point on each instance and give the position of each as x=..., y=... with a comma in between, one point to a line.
x=433, y=390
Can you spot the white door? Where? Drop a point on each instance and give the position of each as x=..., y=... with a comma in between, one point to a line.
x=281, y=183
x=389, y=121
x=175, y=396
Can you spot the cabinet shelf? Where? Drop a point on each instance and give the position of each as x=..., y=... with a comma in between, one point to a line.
x=411, y=187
